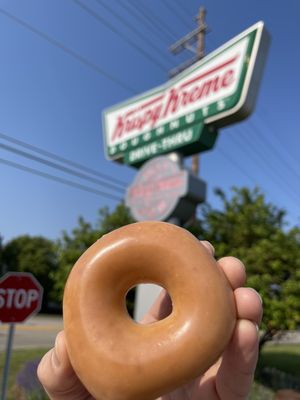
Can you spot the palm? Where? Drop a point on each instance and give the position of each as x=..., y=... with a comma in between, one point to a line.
x=201, y=388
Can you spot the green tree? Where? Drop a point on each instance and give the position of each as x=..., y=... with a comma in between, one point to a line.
x=72, y=245
x=34, y=254
x=255, y=231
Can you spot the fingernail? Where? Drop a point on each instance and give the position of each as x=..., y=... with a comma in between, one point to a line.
x=258, y=295
x=209, y=246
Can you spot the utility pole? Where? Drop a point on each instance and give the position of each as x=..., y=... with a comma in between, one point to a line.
x=200, y=54
x=198, y=36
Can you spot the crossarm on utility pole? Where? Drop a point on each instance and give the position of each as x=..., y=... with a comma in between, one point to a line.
x=198, y=36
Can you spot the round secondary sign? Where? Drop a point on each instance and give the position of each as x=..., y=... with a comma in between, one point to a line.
x=157, y=189
x=20, y=296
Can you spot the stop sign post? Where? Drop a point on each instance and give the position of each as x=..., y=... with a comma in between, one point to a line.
x=20, y=297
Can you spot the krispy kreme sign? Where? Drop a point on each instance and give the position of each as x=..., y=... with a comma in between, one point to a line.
x=163, y=189
x=183, y=115
x=156, y=190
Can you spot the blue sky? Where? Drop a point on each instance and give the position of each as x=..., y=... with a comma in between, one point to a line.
x=61, y=66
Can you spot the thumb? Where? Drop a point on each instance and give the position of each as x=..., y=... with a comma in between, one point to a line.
x=56, y=374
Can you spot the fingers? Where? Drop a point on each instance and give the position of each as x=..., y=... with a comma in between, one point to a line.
x=235, y=374
x=208, y=246
x=240, y=358
x=248, y=305
x=57, y=375
x=236, y=274
x=162, y=306
x=234, y=270
x=248, y=301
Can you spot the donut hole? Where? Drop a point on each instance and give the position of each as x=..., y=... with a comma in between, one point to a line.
x=144, y=297
x=130, y=301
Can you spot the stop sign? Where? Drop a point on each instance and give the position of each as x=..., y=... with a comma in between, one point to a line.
x=20, y=296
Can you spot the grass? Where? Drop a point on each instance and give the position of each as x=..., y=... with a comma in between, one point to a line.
x=19, y=357
x=283, y=357
x=260, y=392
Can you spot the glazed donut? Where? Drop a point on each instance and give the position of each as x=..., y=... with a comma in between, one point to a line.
x=119, y=359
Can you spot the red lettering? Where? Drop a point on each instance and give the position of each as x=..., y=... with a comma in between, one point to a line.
x=156, y=113
x=195, y=94
x=227, y=78
x=119, y=129
x=145, y=116
x=129, y=125
x=209, y=86
x=172, y=103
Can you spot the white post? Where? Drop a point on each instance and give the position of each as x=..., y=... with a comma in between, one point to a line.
x=7, y=360
x=145, y=296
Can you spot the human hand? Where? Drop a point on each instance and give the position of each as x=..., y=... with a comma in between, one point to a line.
x=230, y=378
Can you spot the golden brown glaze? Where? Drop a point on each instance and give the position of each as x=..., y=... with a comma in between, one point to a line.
x=119, y=359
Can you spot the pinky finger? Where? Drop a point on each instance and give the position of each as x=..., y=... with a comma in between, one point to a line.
x=236, y=372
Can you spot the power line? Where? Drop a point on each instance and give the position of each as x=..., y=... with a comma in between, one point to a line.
x=132, y=11
x=132, y=28
x=69, y=51
x=75, y=55
x=158, y=24
x=291, y=195
x=62, y=159
x=171, y=6
x=148, y=20
x=153, y=19
x=269, y=145
x=58, y=167
x=58, y=179
x=187, y=13
x=263, y=161
x=120, y=34
x=237, y=165
x=278, y=139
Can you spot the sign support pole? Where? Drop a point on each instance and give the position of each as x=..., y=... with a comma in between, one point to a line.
x=183, y=44
x=200, y=55
x=7, y=360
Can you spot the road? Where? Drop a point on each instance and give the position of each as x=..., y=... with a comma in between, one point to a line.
x=41, y=330
x=38, y=331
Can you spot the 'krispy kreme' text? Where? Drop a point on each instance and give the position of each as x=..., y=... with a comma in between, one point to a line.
x=148, y=115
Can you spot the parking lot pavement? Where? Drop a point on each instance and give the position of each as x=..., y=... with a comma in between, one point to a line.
x=38, y=331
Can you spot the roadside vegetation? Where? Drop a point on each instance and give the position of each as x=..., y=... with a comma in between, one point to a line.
x=23, y=384
x=22, y=381
x=244, y=225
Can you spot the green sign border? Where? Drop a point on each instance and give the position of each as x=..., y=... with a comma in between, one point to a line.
x=154, y=138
